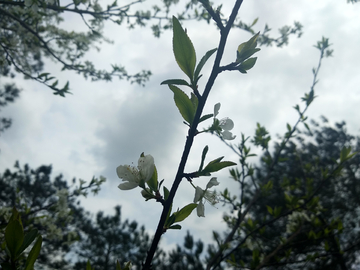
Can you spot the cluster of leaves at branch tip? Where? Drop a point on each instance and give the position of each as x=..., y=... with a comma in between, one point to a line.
x=185, y=57
x=244, y=51
x=213, y=166
x=16, y=241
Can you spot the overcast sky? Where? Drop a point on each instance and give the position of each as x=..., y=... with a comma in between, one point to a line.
x=103, y=125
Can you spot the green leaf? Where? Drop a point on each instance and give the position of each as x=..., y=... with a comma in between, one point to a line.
x=184, y=212
x=43, y=75
x=128, y=266
x=247, y=64
x=345, y=154
x=243, y=71
x=254, y=22
x=176, y=82
x=14, y=237
x=28, y=239
x=202, y=63
x=118, y=266
x=277, y=211
x=88, y=266
x=183, y=50
x=247, y=49
x=288, y=127
x=246, y=54
x=183, y=103
x=194, y=101
x=34, y=253
x=169, y=220
x=205, y=117
x=270, y=210
x=214, y=167
x=153, y=181
x=175, y=227
x=204, y=152
x=166, y=193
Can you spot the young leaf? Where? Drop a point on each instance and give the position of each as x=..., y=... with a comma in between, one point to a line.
x=205, y=117
x=28, y=239
x=166, y=193
x=88, y=266
x=194, y=101
x=183, y=103
x=202, y=63
x=247, y=49
x=169, y=220
x=14, y=237
x=217, y=166
x=254, y=22
x=184, y=212
x=183, y=50
x=153, y=181
x=33, y=254
x=247, y=64
x=204, y=152
x=176, y=82
x=118, y=266
x=175, y=227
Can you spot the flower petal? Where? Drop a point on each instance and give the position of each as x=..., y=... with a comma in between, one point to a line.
x=227, y=135
x=226, y=124
x=128, y=173
x=216, y=109
x=146, y=167
x=200, y=209
x=198, y=194
x=213, y=182
x=128, y=185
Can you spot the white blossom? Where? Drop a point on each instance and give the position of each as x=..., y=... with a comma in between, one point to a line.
x=133, y=176
x=225, y=124
x=207, y=195
x=62, y=204
x=295, y=219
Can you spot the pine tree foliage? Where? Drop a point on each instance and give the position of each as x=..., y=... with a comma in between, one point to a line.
x=327, y=237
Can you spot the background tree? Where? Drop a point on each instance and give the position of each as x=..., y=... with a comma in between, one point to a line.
x=8, y=94
x=188, y=256
x=68, y=231
x=107, y=240
x=297, y=235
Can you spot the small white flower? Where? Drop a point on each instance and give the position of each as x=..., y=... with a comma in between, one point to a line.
x=209, y=196
x=295, y=219
x=225, y=124
x=132, y=176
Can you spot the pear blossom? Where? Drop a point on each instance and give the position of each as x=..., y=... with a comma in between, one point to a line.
x=132, y=176
x=209, y=196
